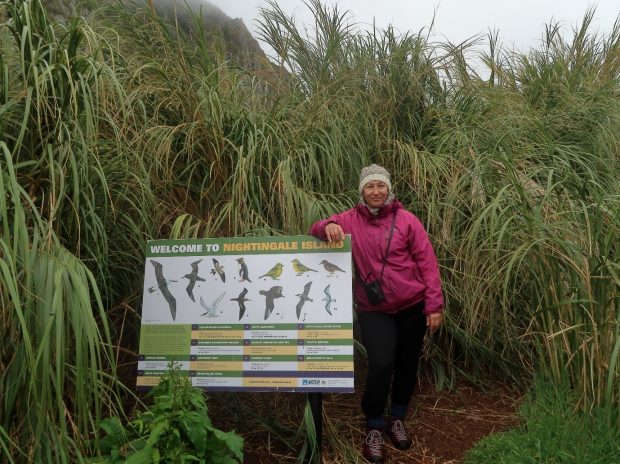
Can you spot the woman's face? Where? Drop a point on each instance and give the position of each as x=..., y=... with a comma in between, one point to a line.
x=375, y=193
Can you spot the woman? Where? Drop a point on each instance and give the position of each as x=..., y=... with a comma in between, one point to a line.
x=397, y=291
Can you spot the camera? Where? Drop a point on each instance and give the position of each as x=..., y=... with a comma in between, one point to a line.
x=374, y=292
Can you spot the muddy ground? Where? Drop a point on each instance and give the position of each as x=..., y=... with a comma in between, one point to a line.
x=444, y=424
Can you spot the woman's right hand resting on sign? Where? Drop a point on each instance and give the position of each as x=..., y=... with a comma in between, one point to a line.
x=334, y=232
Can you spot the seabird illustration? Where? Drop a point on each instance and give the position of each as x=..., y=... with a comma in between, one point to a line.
x=270, y=295
x=330, y=267
x=162, y=283
x=303, y=297
x=328, y=300
x=219, y=269
x=193, y=278
x=243, y=270
x=241, y=299
x=155, y=287
x=211, y=311
x=299, y=268
x=275, y=272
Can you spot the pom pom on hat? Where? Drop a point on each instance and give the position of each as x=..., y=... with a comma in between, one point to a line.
x=374, y=172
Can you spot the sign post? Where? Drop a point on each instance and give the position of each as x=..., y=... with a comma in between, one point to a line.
x=316, y=406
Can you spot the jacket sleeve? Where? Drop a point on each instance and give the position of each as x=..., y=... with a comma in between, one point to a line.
x=424, y=257
x=318, y=228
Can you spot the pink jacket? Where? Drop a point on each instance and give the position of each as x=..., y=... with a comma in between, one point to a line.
x=411, y=272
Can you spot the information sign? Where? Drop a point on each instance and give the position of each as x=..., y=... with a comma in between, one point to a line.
x=249, y=314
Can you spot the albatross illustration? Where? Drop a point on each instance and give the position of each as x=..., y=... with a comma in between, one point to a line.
x=162, y=283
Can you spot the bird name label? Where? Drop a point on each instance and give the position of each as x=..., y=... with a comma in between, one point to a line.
x=249, y=314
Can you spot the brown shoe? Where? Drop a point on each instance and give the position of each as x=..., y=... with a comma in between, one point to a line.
x=372, y=450
x=398, y=435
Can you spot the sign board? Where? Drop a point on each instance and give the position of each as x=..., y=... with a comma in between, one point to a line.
x=249, y=314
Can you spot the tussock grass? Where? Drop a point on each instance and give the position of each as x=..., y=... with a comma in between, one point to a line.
x=552, y=432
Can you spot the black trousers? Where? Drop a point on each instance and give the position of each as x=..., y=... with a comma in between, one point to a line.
x=393, y=344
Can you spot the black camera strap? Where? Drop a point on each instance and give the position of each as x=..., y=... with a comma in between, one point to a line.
x=387, y=250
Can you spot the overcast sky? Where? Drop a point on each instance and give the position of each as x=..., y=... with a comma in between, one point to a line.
x=520, y=22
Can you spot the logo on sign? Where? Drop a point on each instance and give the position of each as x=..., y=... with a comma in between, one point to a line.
x=310, y=381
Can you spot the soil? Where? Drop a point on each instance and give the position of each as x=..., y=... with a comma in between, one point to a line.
x=443, y=424
x=447, y=424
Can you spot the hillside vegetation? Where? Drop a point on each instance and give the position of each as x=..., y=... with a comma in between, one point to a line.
x=120, y=129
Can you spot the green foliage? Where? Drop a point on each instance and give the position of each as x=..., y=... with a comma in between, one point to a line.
x=553, y=432
x=58, y=369
x=175, y=429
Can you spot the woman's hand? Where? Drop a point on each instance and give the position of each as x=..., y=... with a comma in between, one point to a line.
x=433, y=321
x=334, y=232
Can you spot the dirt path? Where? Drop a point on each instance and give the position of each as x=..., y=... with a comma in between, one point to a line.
x=444, y=425
x=447, y=424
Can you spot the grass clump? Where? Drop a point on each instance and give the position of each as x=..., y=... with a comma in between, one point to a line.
x=553, y=432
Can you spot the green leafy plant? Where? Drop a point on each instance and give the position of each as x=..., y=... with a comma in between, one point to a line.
x=175, y=429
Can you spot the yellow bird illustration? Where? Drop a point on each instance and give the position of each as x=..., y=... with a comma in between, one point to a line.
x=275, y=272
x=299, y=268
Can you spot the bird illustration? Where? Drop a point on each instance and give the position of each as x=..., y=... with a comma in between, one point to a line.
x=193, y=278
x=243, y=270
x=211, y=311
x=217, y=268
x=330, y=267
x=275, y=272
x=300, y=268
x=303, y=297
x=155, y=287
x=328, y=300
x=162, y=283
x=241, y=299
x=270, y=296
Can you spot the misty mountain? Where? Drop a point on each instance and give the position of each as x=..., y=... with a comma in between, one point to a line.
x=240, y=46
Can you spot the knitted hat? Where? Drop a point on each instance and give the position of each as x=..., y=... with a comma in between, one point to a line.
x=374, y=172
